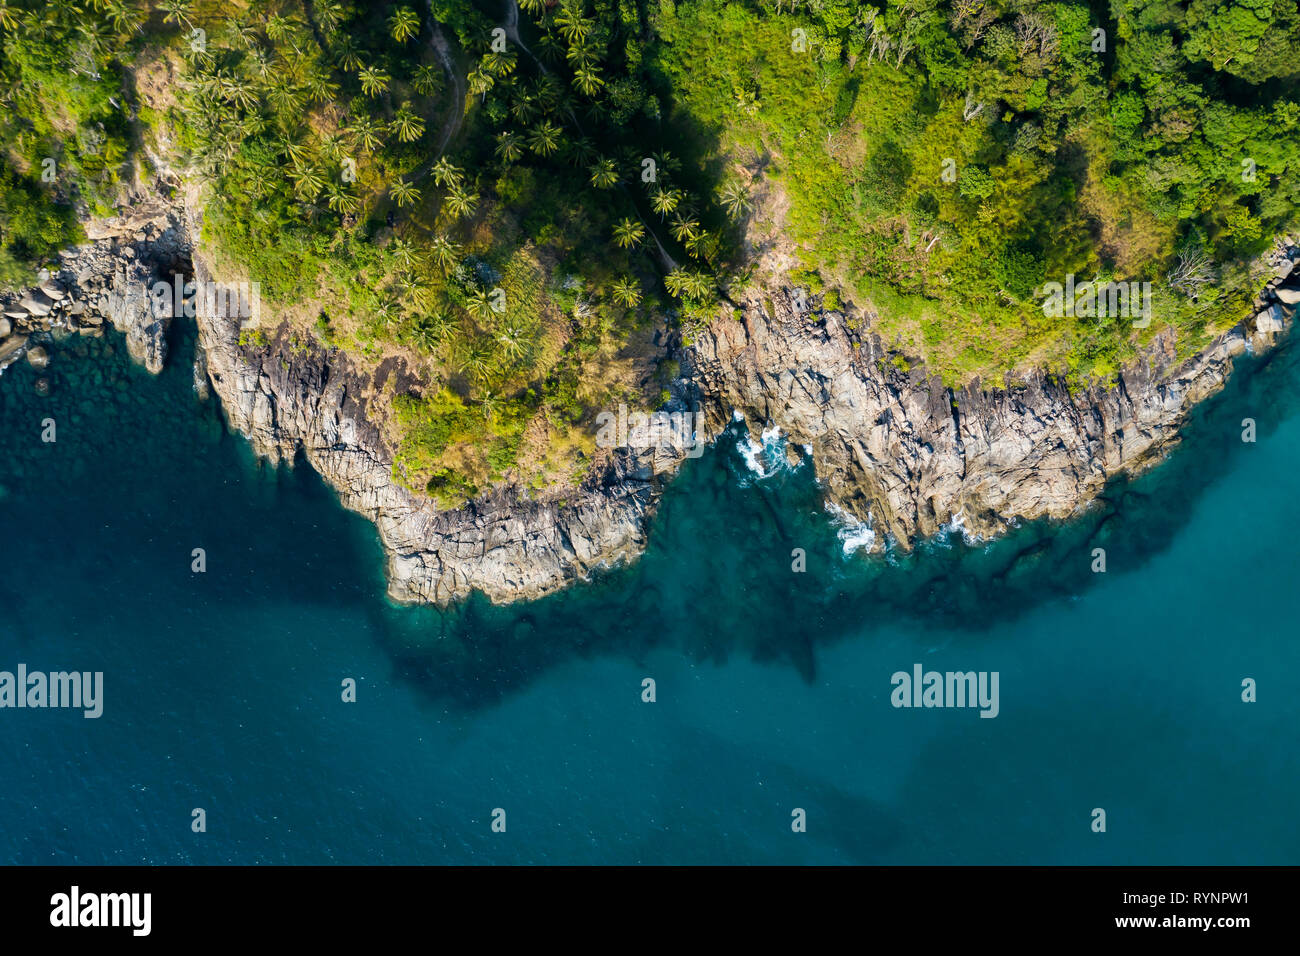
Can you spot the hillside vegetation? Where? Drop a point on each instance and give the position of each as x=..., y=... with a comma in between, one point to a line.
x=515, y=201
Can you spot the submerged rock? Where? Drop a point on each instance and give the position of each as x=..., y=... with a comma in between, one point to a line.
x=38, y=358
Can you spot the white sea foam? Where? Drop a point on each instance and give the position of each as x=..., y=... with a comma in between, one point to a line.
x=762, y=458
x=957, y=524
x=853, y=534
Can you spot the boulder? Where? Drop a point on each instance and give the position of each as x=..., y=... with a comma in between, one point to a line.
x=38, y=358
x=1270, y=320
x=35, y=306
x=1287, y=295
x=10, y=349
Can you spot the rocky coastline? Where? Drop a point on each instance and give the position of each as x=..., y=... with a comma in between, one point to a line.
x=895, y=449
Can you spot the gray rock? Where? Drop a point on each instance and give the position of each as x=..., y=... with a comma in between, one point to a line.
x=911, y=455
x=34, y=305
x=1270, y=320
x=11, y=349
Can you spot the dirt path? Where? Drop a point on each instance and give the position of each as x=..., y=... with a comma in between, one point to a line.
x=442, y=50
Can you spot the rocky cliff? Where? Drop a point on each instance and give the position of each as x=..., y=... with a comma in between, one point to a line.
x=894, y=448
x=507, y=545
x=901, y=451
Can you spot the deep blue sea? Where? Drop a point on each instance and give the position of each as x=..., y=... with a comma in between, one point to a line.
x=222, y=690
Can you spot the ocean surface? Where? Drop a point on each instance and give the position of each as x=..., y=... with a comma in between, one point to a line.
x=1119, y=691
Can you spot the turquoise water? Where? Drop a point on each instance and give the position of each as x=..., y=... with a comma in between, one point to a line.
x=222, y=690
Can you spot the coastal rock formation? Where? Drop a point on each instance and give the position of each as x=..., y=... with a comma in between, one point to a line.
x=106, y=280
x=901, y=451
x=507, y=545
x=895, y=448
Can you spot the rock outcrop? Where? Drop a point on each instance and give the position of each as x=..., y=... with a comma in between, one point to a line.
x=106, y=280
x=507, y=544
x=895, y=448
x=901, y=451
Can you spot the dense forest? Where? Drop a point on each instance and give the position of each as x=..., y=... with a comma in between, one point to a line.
x=518, y=197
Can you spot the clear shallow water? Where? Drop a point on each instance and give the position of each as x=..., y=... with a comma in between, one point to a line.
x=222, y=690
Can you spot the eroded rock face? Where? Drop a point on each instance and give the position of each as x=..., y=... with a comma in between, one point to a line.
x=904, y=452
x=892, y=447
x=105, y=280
x=505, y=545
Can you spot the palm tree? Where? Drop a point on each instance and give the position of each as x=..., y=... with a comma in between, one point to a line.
x=480, y=305
x=545, y=139
x=444, y=173
x=698, y=285
x=404, y=194
x=403, y=24
x=735, y=198
x=240, y=92
x=340, y=200
x=308, y=181
x=604, y=175
x=374, y=81
x=580, y=55
x=404, y=254
x=8, y=16
x=123, y=19
x=628, y=232
x=490, y=404
x=626, y=291
x=548, y=91
x=295, y=150
x=684, y=228
x=477, y=362
x=461, y=203
x=407, y=125
x=587, y=80
x=480, y=82
x=513, y=340
x=285, y=97
x=573, y=26
x=508, y=149
x=329, y=14
x=677, y=282
x=278, y=28
x=533, y=7
x=702, y=245
x=445, y=252
x=426, y=80
x=424, y=334
x=523, y=107
x=174, y=11
x=366, y=134
x=664, y=201
x=498, y=63
x=244, y=33
x=348, y=55
x=320, y=88
x=582, y=152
